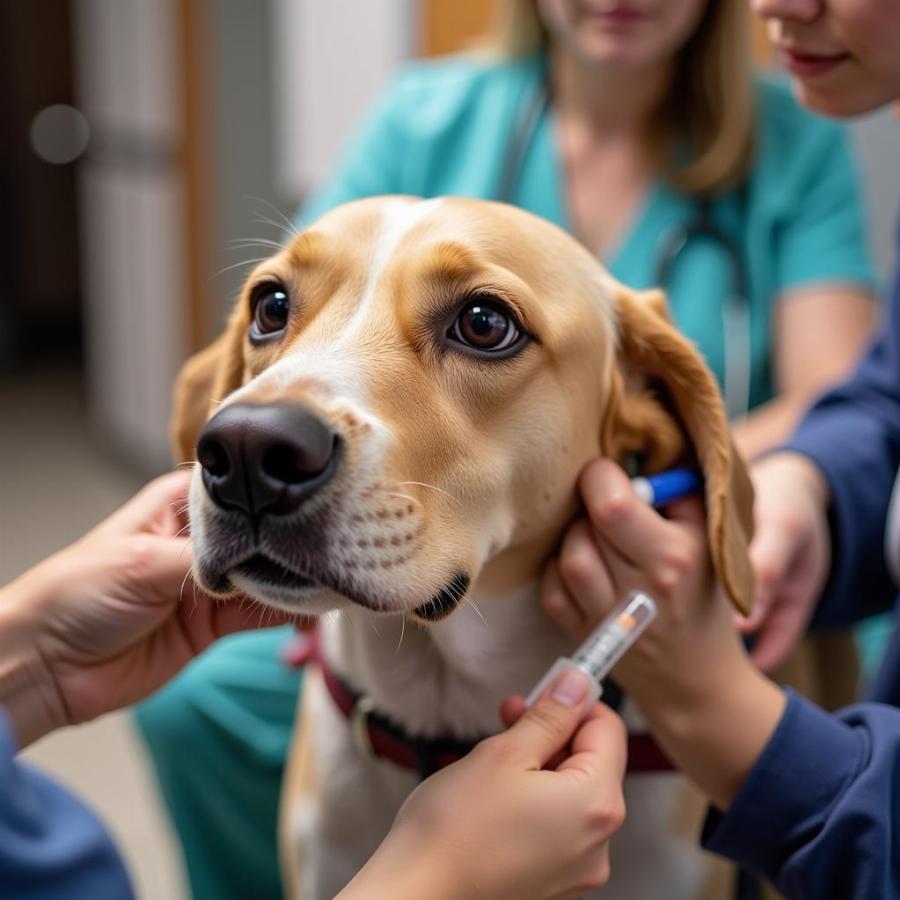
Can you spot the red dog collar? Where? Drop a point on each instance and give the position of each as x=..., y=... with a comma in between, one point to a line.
x=377, y=735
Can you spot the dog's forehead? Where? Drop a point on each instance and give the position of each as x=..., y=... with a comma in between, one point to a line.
x=379, y=232
x=388, y=227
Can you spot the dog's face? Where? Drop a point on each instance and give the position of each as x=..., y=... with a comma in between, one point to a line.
x=404, y=397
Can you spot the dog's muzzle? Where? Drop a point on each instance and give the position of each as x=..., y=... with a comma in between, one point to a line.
x=266, y=459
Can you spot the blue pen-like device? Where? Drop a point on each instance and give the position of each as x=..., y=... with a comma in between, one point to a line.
x=658, y=490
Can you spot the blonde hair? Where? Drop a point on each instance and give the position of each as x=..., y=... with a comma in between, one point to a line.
x=708, y=110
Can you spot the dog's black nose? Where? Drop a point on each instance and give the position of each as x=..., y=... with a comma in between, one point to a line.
x=265, y=459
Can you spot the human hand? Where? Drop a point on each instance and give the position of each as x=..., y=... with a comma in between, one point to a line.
x=498, y=824
x=624, y=545
x=109, y=619
x=791, y=554
x=711, y=711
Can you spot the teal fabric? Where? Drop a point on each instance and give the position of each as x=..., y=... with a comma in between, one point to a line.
x=218, y=734
x=872, y=636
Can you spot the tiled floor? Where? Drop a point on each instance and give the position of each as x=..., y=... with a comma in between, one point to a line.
x=56, y=482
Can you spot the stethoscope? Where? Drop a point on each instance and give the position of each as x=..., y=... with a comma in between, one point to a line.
x=700, y=227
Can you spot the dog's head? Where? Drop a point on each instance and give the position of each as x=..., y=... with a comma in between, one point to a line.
x=405, y=395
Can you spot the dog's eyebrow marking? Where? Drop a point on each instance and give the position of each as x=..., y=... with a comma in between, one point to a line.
x=449, y=261
x=398, y=218
x=306, y=248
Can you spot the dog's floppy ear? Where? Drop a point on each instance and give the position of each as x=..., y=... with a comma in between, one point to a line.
x=674, y=393
x=204, y=379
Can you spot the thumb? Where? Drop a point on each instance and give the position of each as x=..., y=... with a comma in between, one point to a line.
x=600, y=748
x=547, y=726
x=163, y=563
x=154, y=508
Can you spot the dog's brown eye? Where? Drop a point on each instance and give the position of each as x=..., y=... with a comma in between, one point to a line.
x=484, y=325
x=271, y=306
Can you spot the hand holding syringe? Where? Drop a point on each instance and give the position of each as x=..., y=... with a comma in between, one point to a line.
x=607, y=644
x=604, y=647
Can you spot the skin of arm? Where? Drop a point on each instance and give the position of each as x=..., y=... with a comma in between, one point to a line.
x=819, y=333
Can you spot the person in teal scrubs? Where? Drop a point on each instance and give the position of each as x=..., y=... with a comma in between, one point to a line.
x=646, y=116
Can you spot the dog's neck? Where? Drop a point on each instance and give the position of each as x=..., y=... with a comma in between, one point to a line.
x=448, y=678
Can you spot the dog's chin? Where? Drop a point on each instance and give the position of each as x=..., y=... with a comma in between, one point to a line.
x=268, y=581
x=274, y=584
x=266, y=572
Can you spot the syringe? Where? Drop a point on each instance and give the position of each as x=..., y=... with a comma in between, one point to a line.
x=604, y=647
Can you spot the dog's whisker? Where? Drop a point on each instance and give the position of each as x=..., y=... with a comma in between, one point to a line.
x=402, y=496
x=183, y=583
x=244, y=242
x=289, y=227
x=402, y=632
x=237, y=265
x=471, y=603
x=432, y=487
x=288, y=235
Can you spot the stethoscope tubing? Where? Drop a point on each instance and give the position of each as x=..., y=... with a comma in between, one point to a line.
x=735, y=307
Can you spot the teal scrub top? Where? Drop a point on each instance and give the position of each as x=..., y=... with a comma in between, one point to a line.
x=445, y=127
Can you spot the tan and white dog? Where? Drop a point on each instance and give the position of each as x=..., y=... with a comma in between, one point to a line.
x=401, y=406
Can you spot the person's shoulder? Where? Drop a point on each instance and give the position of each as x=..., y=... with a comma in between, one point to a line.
x=425, y=94
x=463, y=72
x=789, y=138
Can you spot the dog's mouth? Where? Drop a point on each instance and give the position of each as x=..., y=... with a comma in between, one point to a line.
x=266, y=572
x=261, y=569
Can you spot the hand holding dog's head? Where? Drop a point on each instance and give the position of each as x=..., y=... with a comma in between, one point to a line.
x=404, y=397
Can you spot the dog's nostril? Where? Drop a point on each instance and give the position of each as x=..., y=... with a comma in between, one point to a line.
x=288, y=464
x=214, y=458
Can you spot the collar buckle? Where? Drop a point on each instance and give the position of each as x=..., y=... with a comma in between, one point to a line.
x=359, y=725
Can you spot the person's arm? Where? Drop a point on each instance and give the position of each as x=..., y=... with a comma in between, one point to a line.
x=853, y=435
x=817, y=813
x=824, y=310
x=713, y=713
x=822, y=506
x=819, y=334
x=50, y=844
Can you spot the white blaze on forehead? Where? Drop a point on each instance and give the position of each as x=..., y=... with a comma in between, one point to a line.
x=336, y=378
x=398, y=218
x=334, y=365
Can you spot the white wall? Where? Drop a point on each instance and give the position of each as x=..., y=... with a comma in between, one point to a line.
x=877, y=140
x=132, y=228
x=332, y=58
